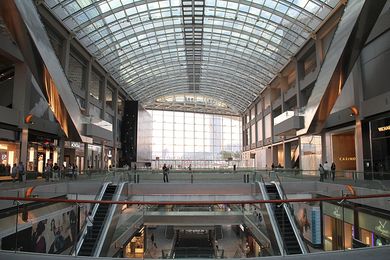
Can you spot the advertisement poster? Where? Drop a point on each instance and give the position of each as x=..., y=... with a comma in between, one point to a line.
x=53, y=235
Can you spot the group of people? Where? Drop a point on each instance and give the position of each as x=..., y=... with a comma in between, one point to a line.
x=327, y=171
x=53, y=172
x=18, y=172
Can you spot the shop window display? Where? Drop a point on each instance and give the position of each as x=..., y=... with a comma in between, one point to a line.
x=9, y=154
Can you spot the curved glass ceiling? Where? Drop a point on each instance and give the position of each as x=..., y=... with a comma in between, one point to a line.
x=229, y=50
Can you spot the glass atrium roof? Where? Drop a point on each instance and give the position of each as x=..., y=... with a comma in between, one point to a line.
x=228, y=50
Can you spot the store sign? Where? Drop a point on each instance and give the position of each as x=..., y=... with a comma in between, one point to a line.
x=336, y=211
x=381, y=229
x=74, y=145
x=380, y=128
x=384, y=128
x=3, y=147
x=375, y=224
x=345, y=158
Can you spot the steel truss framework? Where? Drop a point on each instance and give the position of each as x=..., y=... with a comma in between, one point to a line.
x=228, y=50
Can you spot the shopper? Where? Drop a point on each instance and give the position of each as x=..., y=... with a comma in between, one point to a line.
x=56, y=170
x=165, y=173
x=89, y=220
x=326, y=169
x=333, y=170
x=47, y=171
x=14, y=172
x=322, y=172
x=21, y=172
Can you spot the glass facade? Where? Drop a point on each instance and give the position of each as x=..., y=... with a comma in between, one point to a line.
x=95, y=85
x=77, y=72
x=194, y=136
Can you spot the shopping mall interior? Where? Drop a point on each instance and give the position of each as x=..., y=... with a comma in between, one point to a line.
x=194, y=129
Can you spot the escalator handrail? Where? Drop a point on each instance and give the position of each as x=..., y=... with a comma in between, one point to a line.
x=247, y=221
x=83, y=232
x=272, y=218
x=291, y=218
x=107, y=220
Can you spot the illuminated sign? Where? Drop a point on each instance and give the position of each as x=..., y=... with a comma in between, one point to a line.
x=381, y=228
x=3, y=147
x=336, y=212
x=384, y=128
x=345, y=158
x=74, y=145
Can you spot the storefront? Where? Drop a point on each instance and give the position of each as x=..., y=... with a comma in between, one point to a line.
x=74, y=154
x=343, y=150
x=108, y=158
x=338, y=225
x=94, y=159
x=41, y=150
x=380, y=147
x=9, y=154
x=373, y=230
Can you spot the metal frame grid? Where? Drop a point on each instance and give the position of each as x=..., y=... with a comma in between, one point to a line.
x=229, y=50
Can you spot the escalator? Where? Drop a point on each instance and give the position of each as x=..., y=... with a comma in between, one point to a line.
x=90, y=241
x=290, y=240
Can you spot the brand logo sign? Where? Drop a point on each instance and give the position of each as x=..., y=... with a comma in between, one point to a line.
x=381, y=228
x=74, y=145
x=336, y=212
x=345, y=158
x=384, y=128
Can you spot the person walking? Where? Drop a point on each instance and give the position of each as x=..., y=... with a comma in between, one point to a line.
x=333, y=170
x=165, y=173
x=322, y=172
x=56, y=170
x=47, y=172
x=74, y=173
x=14, y=172
x=21, y=172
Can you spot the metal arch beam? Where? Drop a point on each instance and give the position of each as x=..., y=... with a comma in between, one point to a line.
x=233, y=106
x=185, y=83
x=173, y=50
x=228, y=92
x=115, y=58
x=162, y=103
x=220, y=78
x=233, y=60
x=212, y=26
x=246, y=76
x=230, y=101
x=219, y=27
x=126, y=6
x=192, y=108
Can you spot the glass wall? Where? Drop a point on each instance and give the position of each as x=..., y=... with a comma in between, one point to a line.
x=95, y=84
x=194, y=136
x=77, y=72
